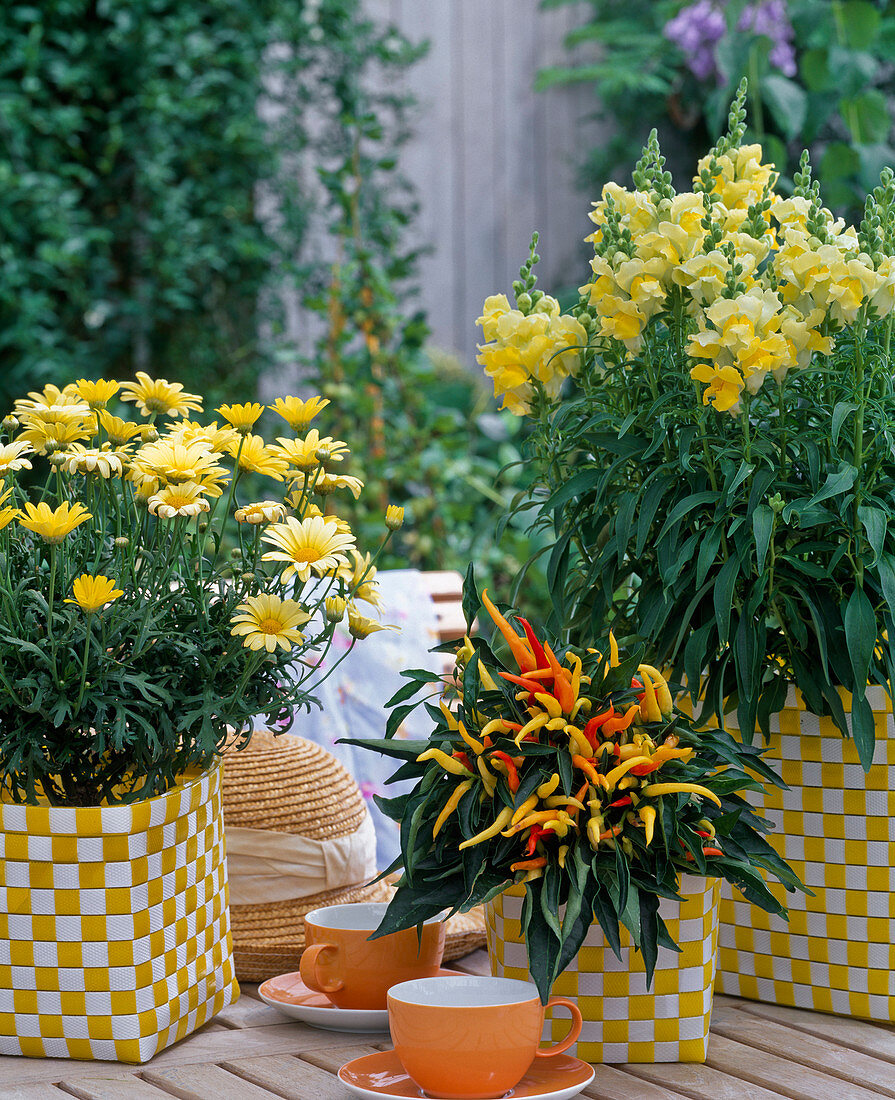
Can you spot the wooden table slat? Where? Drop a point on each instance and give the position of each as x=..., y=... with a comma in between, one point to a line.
x=293, y=1080
x=113, y=1088
x=334, y=1058
x=33, y=1092
x=204, y=1083
x=808, y=1050
x=787, y=1078
x=702, y=1082
x=612, y=1083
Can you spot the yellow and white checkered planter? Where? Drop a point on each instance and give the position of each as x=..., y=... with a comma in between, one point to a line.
x=623, y=1020
x=114, y=928
x=835, y=827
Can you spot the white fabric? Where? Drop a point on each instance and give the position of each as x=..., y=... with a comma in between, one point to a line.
x=268, y=866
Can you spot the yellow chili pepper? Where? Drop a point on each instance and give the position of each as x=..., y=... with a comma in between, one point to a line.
x=625, y=752
x=486, y=679
x=537, y=818
x=561, y=855
x=447, y=762
x=663, y=694
x=581, y=703
x=628, y=782
x=593, y=833
x=575, y=661
x=531, y=726
x=499, y=822
x=578, y=741
x=675, y=788
x=706, y=826
x=546, y=789
x=562, y=800
x=613, y=651
x=632, y=762
x=477, y=746
x=496, y=725
x=648, y=817
x=527, y=806
x=450, y=805
x=449, y=715
x=488, y=777
x=550, y=704
x=666, y=752
x=649, y=707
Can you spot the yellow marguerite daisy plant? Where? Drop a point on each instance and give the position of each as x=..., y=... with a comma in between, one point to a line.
x=229, y=599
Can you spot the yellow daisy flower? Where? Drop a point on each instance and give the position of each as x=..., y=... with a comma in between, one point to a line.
x=48, y=397
x=94, y=460
x=118, y=431
x=11, y=456
x=241, y=417
x=324, y=484
x=312, y=451
x=46, y=436
x=359, y=626
x=360, y=577
x=215, y=438
x=92, y=593
x=256, y=456
x=307, y=545
x=263, y=511
x=7, y=512
x=266, y=621
x=335, y=608
x=159, y=396
x=394, y=517
x=174, y=463
x=178, y=500
x=54, y=524
x=298, y=414
x=96, y=394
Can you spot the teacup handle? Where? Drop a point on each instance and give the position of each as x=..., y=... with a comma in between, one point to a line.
x=311, y=978
x=558, y=1048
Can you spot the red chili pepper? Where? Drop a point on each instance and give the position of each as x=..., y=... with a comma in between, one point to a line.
x=536, y=831
x=529, y=685
x=636, y=684
x=512, y=772
x=592, y=726
x=712, y=852
x=536, y=647
x=645, y=769
x=464, y=760
x=626, y=801
x=704, y=836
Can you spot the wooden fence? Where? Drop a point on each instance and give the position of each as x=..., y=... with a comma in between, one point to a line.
x=491, y=158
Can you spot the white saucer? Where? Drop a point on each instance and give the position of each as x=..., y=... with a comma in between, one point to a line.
x=289, y=994
x=381, y=1075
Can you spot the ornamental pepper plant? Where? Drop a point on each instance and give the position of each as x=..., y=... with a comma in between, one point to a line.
x=715, y=448
x=136, y=640
x=572, y=773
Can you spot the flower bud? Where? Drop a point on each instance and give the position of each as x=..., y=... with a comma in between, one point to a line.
x=235, y=552
x=776, y=503
x=57, y=459
x=122, y=542
x=523, y=302
x=394, y=517
x=149, y=433
x=246, y=578
x=10, y=423
x=335, y=609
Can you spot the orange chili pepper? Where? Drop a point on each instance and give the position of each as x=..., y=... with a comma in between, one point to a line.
x=616, y=725
x=464, y=760
x=593, y=725
x=645, y=769
x=613, y=832
x=712, y=852
x=589, y=770
x=562, y=682
x=518, y=646
x=529, y=864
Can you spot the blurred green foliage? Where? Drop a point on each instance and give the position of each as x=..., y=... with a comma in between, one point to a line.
x=821, y=77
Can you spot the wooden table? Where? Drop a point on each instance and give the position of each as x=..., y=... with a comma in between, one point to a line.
x=252, y=1052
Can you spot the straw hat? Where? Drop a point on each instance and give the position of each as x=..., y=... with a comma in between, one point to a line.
x=299, y=836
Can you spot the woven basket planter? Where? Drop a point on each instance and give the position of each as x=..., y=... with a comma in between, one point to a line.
x=114, y=930
x=835, y=826
x=288, y=793
x=623, y=1020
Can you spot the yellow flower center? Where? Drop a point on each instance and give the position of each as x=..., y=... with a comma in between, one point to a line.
x=270, y=626
x=305, y=554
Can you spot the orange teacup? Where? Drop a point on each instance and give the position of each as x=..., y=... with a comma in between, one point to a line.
x=470, y=1038
x=355, y=971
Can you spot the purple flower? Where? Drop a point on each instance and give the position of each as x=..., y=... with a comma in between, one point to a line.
x=696, y=30
x=769, y=18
